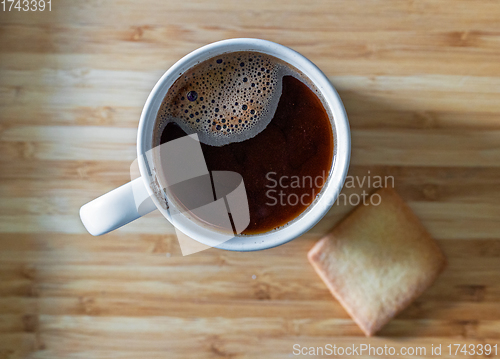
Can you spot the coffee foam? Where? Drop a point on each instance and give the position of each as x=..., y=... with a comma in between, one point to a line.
x=228, y=98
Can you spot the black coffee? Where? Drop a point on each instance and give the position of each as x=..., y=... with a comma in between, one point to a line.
x=259, y=117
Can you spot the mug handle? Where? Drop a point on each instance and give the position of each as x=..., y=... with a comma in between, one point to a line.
x=117, y=208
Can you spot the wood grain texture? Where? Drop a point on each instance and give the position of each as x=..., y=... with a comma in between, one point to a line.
x=421, y=84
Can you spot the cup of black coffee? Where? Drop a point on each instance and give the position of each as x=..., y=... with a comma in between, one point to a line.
x=252, y=108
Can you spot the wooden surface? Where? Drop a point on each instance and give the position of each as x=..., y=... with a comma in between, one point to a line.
x=420, y=80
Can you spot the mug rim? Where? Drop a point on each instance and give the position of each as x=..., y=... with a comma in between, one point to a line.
x=340, y=128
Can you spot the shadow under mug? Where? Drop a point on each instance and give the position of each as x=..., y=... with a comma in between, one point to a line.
x=119, y=207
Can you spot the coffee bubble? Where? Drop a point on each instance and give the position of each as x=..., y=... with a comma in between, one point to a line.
x=228, y=98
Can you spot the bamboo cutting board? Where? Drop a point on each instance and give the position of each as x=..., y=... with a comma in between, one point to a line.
x=420, y=80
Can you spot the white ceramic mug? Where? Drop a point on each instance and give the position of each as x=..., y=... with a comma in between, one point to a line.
x=118, y=207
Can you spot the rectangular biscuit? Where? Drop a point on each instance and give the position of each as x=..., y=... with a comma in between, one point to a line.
x=377, y=260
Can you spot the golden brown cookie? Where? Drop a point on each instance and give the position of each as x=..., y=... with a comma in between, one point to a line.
x=378, y=260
